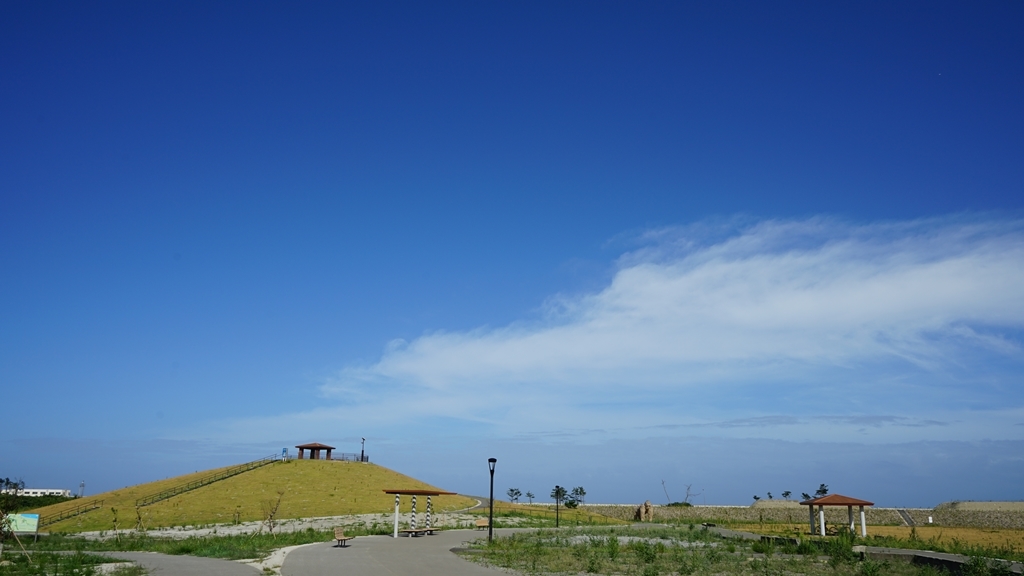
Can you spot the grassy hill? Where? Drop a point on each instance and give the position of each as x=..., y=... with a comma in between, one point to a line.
x=308, y=488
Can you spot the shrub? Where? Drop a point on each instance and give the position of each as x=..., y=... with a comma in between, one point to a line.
x=644, y=551
x=612, y=547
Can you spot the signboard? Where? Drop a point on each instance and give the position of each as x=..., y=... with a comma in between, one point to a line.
x=24, y=522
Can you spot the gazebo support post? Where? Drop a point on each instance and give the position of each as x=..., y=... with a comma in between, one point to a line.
x=863, y=524
x=810, y=513
x=428, y=513
x=397, y=498
x=821, y=519
x=413, y=523
x=849, y=510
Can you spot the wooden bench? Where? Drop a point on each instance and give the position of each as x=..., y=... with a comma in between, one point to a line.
x=417, y=531
x=482, y=523
x=339, y=535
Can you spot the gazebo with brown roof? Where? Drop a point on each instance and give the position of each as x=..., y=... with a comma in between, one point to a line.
x=314, y=450
x=414, y=492
x=836, y=500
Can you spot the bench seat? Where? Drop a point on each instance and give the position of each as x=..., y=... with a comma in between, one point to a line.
x=339, y=535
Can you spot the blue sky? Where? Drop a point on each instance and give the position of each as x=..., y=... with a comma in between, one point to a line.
x=745, y=247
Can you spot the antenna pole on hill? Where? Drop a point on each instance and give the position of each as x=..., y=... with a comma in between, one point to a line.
x=666, y=492
x=362, y=450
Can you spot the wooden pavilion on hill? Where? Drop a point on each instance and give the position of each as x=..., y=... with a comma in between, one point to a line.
x=836, y=500
x=314, y=450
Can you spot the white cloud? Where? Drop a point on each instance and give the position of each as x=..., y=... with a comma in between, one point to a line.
x=887, y=320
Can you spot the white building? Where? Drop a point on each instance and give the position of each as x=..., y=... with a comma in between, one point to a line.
x=39, y=492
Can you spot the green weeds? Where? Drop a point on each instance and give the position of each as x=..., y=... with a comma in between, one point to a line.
x=50, y=564
x=234, y=547
x=634, y=551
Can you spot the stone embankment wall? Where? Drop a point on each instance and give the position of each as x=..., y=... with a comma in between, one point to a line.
x=967, y=514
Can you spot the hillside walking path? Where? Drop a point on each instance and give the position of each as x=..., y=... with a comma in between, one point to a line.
x=384, y=555
x=907, y=519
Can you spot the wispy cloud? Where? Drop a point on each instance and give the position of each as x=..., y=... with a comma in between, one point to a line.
x=763, y=324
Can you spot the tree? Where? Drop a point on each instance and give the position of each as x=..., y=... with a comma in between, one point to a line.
x=806, y=496
x=578, y=494
x=770, y=496
x=821, y=491
x=786, y=494
x=690, y=494
x=756, y=497
x=514, y=494
x=530, y=496
x=9, y=492
x=558, y=494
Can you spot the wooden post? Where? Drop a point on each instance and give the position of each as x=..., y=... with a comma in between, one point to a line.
x=397, y=497
x=810, y=512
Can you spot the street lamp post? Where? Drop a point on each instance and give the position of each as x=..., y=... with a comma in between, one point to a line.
x=362, y=450
x=558, y=496
x=490, y=521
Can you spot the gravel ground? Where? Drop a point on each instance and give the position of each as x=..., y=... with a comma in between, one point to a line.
x=445, y=520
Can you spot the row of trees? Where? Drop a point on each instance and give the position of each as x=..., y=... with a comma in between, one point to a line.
x=558, y=493
x=821, y=491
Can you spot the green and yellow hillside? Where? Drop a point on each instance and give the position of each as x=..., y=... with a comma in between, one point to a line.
x=309, y=488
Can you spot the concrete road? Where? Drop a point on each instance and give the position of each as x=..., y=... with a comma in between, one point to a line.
x=166, y=565
x=384, y=555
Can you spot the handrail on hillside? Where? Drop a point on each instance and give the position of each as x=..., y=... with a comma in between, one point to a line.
x=204, y=481
x=69, y=513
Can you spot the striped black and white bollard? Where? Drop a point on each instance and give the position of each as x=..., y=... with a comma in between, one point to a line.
x=412, y=523
x=428, y=513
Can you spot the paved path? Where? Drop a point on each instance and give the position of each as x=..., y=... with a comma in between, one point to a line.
x=387, y=556
x=166, y=565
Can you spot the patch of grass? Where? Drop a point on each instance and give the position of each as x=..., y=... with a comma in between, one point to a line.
x=236, y=547
x=673, y=550
x=311, y=488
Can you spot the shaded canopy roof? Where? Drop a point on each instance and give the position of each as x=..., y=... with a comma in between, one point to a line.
x=312, y=445
x=836, y=500
x=411, y=492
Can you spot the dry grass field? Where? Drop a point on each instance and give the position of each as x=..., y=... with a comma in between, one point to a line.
x=307, y=488
x=568, y=516
x=989, y=537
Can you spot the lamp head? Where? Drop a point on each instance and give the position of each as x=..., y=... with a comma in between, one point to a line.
x=491, y=462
